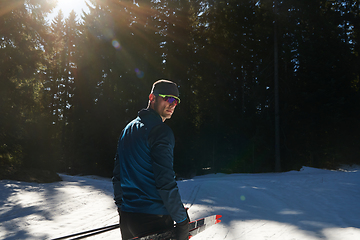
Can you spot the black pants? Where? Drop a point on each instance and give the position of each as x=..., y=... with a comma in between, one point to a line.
x=140, y=224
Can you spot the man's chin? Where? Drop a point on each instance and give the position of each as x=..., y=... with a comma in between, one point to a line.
x=168, y=116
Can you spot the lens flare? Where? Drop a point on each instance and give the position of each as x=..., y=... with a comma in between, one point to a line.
x=116, y=44
x=139, y=74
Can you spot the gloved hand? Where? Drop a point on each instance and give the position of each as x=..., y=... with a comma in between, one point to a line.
x=182, y=230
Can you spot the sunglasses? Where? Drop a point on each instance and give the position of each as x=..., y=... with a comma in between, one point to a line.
x=170, y=99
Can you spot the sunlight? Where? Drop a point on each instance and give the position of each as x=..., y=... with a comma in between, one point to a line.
x=66, y=6
x=69, y=5
x=349, y=233
x=290, y=212
x=258, y=228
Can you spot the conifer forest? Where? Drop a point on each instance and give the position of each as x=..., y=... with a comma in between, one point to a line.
x=265, y=85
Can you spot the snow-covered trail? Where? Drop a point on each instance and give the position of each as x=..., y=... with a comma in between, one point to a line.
x=309, y=204
x=45, y=211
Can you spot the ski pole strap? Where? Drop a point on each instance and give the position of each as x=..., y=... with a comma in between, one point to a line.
x=89, y=233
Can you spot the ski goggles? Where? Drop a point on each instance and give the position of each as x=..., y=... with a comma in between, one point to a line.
x=170, y=99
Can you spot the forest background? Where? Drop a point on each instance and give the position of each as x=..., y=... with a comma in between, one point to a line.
x=68, y=88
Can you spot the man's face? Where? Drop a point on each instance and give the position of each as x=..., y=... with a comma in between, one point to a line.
x=162, y=107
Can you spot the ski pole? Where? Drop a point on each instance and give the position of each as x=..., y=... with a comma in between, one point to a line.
x=89, y=232
x=94, y=233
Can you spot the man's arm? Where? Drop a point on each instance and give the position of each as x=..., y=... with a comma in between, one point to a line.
x=162, y=142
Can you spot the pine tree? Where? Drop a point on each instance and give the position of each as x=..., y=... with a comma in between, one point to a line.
x=22, y=33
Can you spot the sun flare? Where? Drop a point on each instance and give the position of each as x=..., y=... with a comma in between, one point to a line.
x=67, y=6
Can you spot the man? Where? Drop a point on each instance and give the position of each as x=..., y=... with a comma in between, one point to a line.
x=145, y=189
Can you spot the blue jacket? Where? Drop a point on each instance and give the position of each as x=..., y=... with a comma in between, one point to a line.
x=144, y=179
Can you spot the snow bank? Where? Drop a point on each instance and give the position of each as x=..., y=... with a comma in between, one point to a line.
x=307, y=204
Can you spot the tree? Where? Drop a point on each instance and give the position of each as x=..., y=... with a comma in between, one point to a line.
x=21, y=59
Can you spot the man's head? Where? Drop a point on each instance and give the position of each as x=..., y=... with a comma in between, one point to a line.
x=163, y=98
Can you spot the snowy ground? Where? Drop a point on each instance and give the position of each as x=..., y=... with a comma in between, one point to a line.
x=308, y=204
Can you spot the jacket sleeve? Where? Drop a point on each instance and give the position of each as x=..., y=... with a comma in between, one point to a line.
x=162, y=142
x=116, y=182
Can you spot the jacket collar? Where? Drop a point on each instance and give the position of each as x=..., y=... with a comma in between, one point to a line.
x=149, y=112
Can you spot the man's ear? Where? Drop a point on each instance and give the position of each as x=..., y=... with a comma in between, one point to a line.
x=151, y=97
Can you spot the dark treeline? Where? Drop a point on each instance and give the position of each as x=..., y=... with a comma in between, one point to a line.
x=67, y=88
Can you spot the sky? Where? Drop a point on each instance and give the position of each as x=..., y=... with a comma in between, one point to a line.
x=67, y=6
x=310, y=204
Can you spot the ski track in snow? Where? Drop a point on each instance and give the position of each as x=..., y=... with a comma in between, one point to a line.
x=310, y=204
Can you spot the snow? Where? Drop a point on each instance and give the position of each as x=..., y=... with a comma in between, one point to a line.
x=308, y=204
